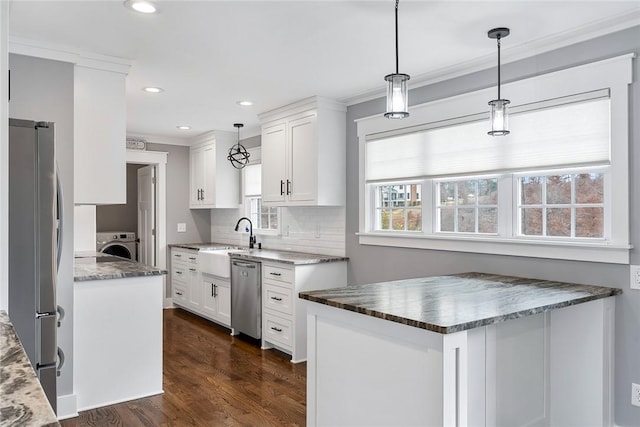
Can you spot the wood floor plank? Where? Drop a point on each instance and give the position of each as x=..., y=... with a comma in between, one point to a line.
x=212, y=379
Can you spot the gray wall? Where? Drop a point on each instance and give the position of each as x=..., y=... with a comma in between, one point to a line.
x=43, y=90
x=121, y=217
x=370, y=263
x=197, y=220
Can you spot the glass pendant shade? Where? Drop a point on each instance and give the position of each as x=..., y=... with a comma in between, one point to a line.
x=499, y=117
x=397, y=96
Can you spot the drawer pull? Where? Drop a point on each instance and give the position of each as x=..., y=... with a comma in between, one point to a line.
x=276, y=298
x=192, y=269
x=192, y=258
x=178, y=272
x=177, y=255
x=275, y=274
x=178, y=293
x=276, y=329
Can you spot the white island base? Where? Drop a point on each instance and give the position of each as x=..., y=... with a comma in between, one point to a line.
x=549, y=369
x=118, y=340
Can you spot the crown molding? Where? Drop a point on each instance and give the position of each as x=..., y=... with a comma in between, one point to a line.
x=511, y=54
x=59, y=52
x=156, y=139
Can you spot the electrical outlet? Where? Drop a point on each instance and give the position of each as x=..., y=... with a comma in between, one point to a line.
x=634, y=271
x=635, y=394
x=182, y=227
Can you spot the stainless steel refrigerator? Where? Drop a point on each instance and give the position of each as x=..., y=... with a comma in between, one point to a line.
x=34, y=208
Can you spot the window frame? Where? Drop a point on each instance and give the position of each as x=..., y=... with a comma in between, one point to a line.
x=255, y=158
x=613, y=74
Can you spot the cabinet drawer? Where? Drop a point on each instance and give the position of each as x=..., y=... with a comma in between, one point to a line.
x=277, y=273
x=277, y=298
x=179, y=273
x=277, y=330
x=180, y=295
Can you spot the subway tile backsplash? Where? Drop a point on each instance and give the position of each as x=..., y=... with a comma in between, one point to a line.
x=317, y=230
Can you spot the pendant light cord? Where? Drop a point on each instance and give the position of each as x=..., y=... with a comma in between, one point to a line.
x=498, y=40
x=397, y=68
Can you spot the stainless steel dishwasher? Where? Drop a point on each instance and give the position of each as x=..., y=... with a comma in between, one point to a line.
x=246, y=297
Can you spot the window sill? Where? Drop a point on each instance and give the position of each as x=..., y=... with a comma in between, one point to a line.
x=575, y=251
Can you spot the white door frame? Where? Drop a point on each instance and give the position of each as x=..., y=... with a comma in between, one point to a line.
x=159, y=160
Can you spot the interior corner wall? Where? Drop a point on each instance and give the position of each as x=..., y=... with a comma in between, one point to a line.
x=196, y=220
x=375, y=263
x=42, y=90
x=121, y=217
x=4, y=155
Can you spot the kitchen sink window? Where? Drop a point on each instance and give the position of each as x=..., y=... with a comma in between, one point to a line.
x=438, y=181
x=266, y=220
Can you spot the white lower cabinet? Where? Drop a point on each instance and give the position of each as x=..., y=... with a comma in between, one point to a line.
x=216, y=298
x=284, y=317
x=203, y=294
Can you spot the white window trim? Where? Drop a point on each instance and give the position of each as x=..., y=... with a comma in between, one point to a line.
x=613, y=73
x=255, y=156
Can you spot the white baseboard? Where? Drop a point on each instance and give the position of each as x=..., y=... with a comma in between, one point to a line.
x=124, y=399
x=167, y=303
x=67, y=406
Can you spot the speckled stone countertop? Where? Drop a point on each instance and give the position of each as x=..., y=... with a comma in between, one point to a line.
x=199, y=246
x=286, y=257
x=448, y=304
x=22, y=400
x=100, y=266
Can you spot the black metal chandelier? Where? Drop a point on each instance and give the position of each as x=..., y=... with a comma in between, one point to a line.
x=499, y=116
x=238, y=154
x=397, y=89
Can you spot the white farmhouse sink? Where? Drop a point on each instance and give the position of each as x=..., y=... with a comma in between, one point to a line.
x=215, y=262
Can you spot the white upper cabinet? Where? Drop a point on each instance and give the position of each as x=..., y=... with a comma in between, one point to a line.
x=214, y=182
x=303, y=154
x=99, y=137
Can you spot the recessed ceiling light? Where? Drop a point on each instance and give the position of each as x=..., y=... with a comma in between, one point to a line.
x=245, y=103
x=153, y=89
x=184, y=127
x=142, y=6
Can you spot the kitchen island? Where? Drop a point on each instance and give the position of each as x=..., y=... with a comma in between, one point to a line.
x=467, y=349
x=117, y=330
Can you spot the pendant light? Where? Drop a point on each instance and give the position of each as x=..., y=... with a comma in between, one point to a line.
x=397, y=90
x=498, y=115
x=238, y=155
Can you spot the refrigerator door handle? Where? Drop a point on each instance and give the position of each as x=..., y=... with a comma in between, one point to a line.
x=60, y=361
x=60, y=208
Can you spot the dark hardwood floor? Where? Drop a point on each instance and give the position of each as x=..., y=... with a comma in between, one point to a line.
x=212, y=379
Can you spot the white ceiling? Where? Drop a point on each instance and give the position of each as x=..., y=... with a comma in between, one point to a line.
x=207, y=55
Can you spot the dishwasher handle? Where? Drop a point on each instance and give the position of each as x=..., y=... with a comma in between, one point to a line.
x=244, y=264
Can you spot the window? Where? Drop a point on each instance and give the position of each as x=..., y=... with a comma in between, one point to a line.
x=265, y=219
x=468, y=206
x=564, y=205
x=398, y=207
x=556, y=187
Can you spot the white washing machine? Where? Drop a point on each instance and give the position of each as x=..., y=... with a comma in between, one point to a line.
x=118, y=243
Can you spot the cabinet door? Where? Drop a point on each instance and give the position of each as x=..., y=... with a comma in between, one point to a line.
x=303, y=163
x=196, y=181
x=195, y=288
x=274, y=157
x=208, y=176
x=224, y=302
x=209, y=303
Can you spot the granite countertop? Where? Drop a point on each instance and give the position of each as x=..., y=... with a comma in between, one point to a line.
x=100, y=266
x=205, y=246
x=22, y=400
x=448, y=304
x=286, y=257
